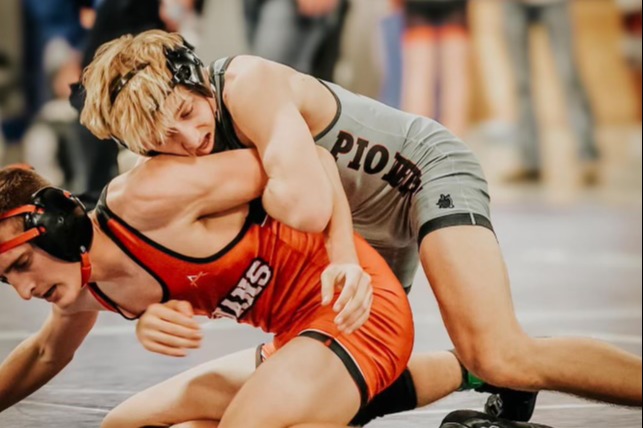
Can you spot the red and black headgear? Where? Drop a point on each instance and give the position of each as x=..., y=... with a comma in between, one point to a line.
x=57, y=222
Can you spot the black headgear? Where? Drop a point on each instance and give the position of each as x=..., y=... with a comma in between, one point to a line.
x=186, y=68
x=184, y=65
x=58, y=223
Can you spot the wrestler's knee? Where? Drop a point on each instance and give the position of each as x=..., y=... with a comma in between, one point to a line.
x=502, y=362
x=119, y=417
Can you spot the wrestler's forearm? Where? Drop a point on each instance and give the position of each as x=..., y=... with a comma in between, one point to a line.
x=25, y=370
x=292, y=200
x=340, y=243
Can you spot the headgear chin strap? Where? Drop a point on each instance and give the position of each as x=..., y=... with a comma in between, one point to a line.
x=56, y=222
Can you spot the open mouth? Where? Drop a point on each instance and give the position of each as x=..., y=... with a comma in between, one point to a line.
x=204, y=148
x=48, y=295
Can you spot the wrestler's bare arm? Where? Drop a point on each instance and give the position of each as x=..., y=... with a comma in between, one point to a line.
x=167, y=188
x=354, y=303
x=264, y=108
x=339, y=234
x=42, y=356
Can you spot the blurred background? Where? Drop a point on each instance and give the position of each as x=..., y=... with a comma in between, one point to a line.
x=547, y=92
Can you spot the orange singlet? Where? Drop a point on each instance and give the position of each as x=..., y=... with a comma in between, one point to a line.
x=269, y=276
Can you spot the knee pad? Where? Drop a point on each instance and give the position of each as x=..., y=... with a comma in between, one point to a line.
x=398, y=397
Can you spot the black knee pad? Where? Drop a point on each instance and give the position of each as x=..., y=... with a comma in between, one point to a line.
x=473, y=419
x=398, y=397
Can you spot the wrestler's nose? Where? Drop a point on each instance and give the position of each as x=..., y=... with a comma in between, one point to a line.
x=24, y=286
x=190, y=139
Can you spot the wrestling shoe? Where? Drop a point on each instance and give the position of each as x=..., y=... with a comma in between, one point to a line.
x=473, y=419
x=503, y=403
x=508, y=403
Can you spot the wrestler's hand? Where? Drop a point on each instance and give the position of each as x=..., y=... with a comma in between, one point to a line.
x=169, y=329
x=354, y=302
x=315, y=8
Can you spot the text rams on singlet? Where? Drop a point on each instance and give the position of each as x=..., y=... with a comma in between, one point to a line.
x=381, y=153
x=260, y=278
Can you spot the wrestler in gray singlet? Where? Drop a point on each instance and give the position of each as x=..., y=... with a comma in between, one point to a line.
x=404, y=175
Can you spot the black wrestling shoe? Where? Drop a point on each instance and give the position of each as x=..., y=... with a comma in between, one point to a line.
x=473, y=419
x=509, y=404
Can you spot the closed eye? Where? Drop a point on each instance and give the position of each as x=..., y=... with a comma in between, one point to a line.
x=170, y=132
x=22, y=266
x=186, y=113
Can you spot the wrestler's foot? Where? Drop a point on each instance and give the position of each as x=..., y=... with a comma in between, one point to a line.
x=473, y=419
x=509, y=404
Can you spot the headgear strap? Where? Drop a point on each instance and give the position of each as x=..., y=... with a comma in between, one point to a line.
x=120, y=82
x=50, y=221
x=24, y=236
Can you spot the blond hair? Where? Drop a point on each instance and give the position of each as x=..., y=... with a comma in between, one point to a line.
x=139, y=116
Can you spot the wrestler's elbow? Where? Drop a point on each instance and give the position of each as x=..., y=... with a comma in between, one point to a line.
x=306, y=211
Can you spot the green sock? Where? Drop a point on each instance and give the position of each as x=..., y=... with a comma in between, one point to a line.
x=469, y=381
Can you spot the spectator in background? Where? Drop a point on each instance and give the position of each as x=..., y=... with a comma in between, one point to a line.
x=4, y=83
x=555, y=16
x=12, y=99
x=391, y=30
x=631, y=10
x=182, y=16
x=26, y=27
x=436, y=62
x=42, y=22
x=303, y=34
x=52, y=143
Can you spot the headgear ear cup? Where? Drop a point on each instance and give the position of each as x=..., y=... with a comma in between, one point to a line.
x=57, y=223
x=187, y=69
x=68, y=229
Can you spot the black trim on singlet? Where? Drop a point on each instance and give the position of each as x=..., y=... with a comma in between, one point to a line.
x=462, y=219
x=254, y=217
x=228, y=139
x=338, y=113
x=346, y=358
x=112, y=304
x=103, y=215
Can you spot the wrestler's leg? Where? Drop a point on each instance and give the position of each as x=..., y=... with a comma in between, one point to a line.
x=455, y=79
x=200, y=394
x=304, y=384
x=419, y=56
x=467, y=273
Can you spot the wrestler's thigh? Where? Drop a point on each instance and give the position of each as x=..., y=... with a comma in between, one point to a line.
x=303, y=382
x=467, y=273
x=201, y=393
